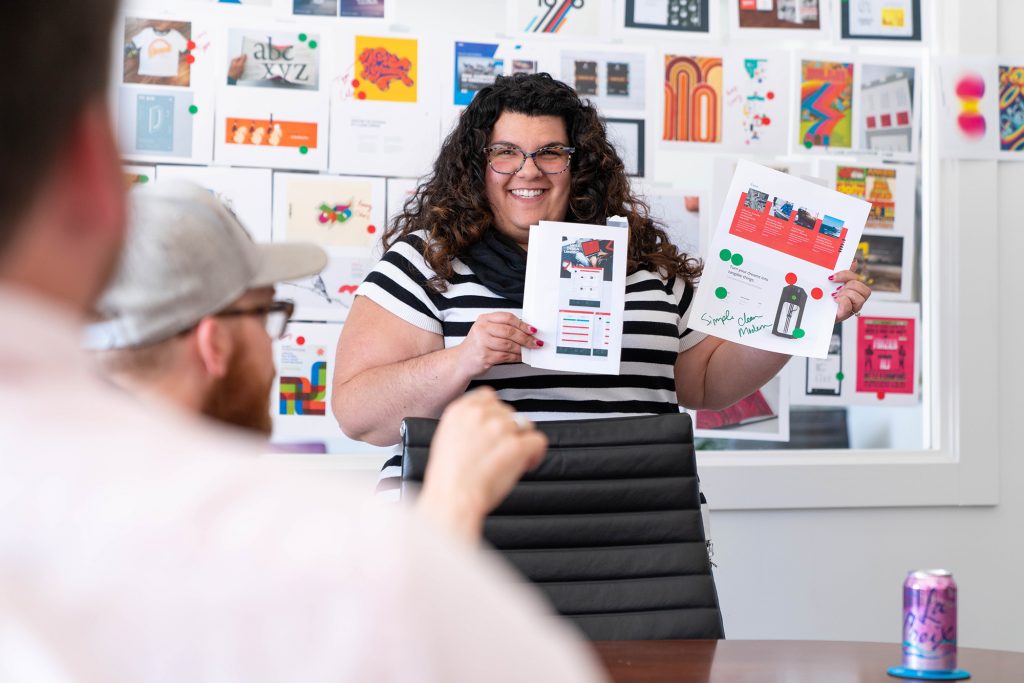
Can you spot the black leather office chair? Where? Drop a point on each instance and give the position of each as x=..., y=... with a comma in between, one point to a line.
x=609, y=526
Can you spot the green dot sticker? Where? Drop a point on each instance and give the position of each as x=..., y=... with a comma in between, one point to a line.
x=143, y=179
x=725, y=254
x=193, y=109
x=840, y=376
x=312, y=44
x=721, y=293
x=302, y=37
x=808, y=144
x=303, y=150
x=737, y=260
x=798, y=333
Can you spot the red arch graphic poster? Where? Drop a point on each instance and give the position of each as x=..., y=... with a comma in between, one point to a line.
x=693, y=99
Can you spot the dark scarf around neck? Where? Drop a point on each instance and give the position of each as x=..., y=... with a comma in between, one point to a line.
x=500, y=264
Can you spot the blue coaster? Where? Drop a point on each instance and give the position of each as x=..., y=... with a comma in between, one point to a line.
x=919, y=675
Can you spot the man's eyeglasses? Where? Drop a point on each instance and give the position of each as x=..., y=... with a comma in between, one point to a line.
x=276, y=315
x=509, y=159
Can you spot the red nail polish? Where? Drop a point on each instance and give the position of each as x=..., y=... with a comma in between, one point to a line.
x=540, y=343
x=831, y=277
x=533, y=330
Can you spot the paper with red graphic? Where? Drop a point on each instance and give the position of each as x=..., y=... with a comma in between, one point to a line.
x=886, y=355
x=765, y=282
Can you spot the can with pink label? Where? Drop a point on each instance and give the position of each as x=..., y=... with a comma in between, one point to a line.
x=929, y=627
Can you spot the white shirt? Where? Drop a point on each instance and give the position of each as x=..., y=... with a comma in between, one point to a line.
x=139, y=545
x=158, y=52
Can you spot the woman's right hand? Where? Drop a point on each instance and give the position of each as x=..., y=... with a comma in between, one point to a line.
x=496, y=338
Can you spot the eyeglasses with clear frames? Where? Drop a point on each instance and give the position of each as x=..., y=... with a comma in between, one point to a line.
x=276, y=315
x=509, y=159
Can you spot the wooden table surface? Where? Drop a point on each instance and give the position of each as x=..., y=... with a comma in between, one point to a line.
x=792, y=661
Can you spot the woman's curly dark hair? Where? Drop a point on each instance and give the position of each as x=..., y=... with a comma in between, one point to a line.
x=452, y=207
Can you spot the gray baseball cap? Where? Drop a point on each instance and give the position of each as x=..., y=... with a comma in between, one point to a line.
x=186, y=256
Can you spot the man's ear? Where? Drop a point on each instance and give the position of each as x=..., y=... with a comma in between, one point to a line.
x=215, y=346
x=94, y=165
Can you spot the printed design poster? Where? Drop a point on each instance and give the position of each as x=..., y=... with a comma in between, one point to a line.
x=826, y=104
x=1011, y=108
x=365, y=9
x=668, y=15
x=318, y=8
x=571, y=18
x=881, y=19
x=883, y=261
x=245, y=191
x=805, y=15
x=629, y=139
x=575, y=296
x=301, y=408
x=476, y=67
x=765, y=282
x=257, y=127
x=824, y=377
x=157, y=124
x=693, y=99
x=755, y=112
x=273, y=59
x=887, y=112
x=386, y=69
x=886, y=355
x=332, y=211
x=969, y=112
x=761, y=416
x=890, y=189
x=158, y=52
x=328, y=295
x=610, y=80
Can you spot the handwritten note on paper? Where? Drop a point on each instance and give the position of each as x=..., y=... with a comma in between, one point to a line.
x=766, y=282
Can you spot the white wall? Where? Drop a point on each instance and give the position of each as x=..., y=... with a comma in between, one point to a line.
x=837, y=574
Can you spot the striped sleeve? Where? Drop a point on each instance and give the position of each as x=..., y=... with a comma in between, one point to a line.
x=687, y=338
x=398, y=284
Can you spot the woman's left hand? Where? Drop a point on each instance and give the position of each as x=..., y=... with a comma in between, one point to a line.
x=850, y=293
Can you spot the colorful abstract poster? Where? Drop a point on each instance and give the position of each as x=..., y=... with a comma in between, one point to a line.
x=245, y=191
x=274, y=59
x=878, y=186
x=613, y=81
x=301, y=135
x=880, y=264
x=886, y=355
x=570, y=18
x=773, y=15
x=386, y=69
x=826, y=104
x=880, y=19
x=969, y=112
x=1011, y=108
x=691, y=16
x=887, y=109
x=301, y=406
x=158, y=52
x=756, y=106
x=265, y=128
x=693, y=99
x=476, y=67
x=332, y=211
x=328, y=295
x=628, y=138
x=762, y=416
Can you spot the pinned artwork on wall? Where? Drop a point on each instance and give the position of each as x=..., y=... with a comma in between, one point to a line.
x=386, y=69
x=564, y=18
x=1011, y=108
x=612, y=81
x=350, y=9
x=301, y=397
x=775, y=18
x=629, y=139
x=163, y=125
x=328, y=295
x=245, y=191
x=756, y=102
x=318, y=8
x=826, y=105
x=158, y=52
x=969, y=108
x=256, y=127
x=889, y=188
x=693, y=99
x=332, y=211
x=880, y=20
x=274, y=59
x=888, y=109
x=687, y=16
x=886, y=352
x=761, y=416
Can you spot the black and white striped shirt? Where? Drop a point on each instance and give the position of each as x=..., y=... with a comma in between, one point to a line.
x=654, y=332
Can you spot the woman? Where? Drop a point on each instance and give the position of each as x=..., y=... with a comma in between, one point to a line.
x=440, y=312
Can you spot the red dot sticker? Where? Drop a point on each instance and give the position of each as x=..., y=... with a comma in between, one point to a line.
x=790, y=278
x=355, y=82
x=191, y=45
x=190, y=59
x=881, y=395
x=361, y=95
x=766, y=121
x=300, y=340
x=371, y=229
x=816, y=293
x=321, y=351
x=770, y=95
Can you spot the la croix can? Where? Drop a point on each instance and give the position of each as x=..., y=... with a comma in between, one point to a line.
x=929, y=621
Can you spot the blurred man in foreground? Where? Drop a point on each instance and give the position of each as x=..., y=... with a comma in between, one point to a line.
x=143, y=545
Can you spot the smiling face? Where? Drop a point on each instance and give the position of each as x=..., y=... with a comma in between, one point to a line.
x=521, y=200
